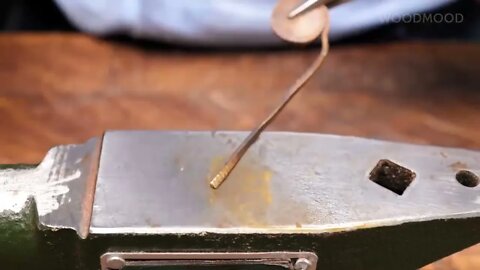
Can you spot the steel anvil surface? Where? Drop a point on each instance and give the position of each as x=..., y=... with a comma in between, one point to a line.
x=141, y=200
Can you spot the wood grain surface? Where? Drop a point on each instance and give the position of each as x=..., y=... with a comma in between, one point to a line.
x=65, y=88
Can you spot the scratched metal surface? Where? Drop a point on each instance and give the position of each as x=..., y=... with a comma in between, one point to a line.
x=70, y=172
x=59, y=185
x=157, y=182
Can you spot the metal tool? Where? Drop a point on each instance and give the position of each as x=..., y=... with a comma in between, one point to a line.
x=304, y=7
x=323, y=25
x=310, y=4
x=140, y=200
x=220, y=177
x=299, y=30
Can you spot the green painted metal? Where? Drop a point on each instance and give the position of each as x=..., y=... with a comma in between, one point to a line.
x=17, y=166
x=25, y=246
x=383, y=248
x=19, y=243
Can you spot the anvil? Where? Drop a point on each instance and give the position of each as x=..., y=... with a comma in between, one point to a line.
x=141, y=200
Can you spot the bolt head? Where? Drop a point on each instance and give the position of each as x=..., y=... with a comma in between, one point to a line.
x=115, y=263
x=302, y=264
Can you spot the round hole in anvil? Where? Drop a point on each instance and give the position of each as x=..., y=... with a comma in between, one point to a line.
x=467, y=178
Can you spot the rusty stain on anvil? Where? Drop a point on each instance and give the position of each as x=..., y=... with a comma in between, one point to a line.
x=458, y=166
x=90, y=185
x=247, y=199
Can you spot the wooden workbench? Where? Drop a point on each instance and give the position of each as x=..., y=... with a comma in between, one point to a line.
x=66, y=88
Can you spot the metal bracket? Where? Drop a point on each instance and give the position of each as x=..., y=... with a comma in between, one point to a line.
x=288, y=260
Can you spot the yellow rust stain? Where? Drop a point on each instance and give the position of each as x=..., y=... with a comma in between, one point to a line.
x=458, y=166
x=245, y=196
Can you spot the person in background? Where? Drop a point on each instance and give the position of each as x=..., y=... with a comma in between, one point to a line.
x=241, y=23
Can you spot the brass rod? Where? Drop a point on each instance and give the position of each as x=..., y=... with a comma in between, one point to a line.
x=222, y=175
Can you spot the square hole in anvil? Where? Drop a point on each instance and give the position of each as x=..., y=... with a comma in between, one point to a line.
x=392, y=176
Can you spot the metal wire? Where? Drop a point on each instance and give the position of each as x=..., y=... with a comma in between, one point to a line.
x=222, y=175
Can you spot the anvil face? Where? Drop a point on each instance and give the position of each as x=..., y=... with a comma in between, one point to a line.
x=157, y=182
x=141, y=200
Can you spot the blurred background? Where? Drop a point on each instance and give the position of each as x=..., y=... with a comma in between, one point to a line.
x=400, y=70
x=212, y=22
